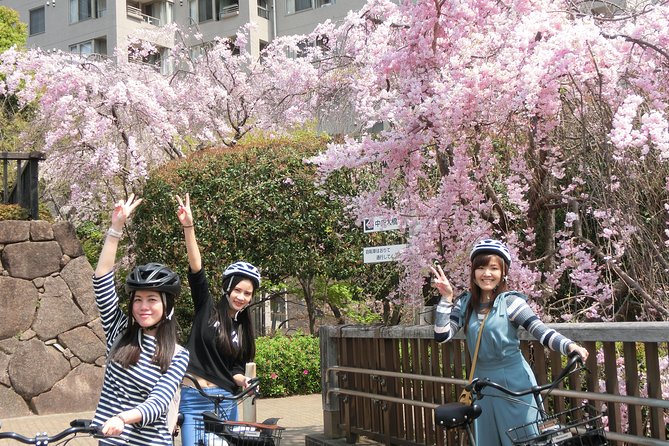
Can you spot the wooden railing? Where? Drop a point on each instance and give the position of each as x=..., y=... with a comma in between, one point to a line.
x=383, y=383
x=24, y=189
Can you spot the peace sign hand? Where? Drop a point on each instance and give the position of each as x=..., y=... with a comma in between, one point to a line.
x=442, y=284
x=184, y=212
x=122, y=210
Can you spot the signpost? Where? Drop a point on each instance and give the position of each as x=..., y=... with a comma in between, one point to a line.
x=378, y=254
x=378, y=224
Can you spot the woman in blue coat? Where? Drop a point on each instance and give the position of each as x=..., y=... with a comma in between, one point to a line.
x=499, y=356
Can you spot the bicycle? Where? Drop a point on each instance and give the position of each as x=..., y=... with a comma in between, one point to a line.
x=78, y=428
x=214, y=429
x=578, y=426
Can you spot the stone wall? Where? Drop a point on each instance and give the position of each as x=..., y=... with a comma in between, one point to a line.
x=51, y=340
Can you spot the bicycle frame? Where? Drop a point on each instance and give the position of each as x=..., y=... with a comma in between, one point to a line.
x=250, y=391
x=461, y=416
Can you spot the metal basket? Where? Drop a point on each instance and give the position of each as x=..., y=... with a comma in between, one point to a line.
x=236, y=433
x=580, y=426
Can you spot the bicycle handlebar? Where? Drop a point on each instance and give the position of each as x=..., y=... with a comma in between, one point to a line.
x=78, y=428
x=251, y=388
x=477, y=385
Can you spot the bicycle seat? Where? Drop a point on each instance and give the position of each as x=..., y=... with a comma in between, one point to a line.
x=452, y=415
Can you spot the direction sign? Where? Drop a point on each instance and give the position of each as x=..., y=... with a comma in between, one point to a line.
x=378, y=254
x=377, y=224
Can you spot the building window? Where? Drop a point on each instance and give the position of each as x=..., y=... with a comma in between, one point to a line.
x=80, y=10
x=263, y=9
x=82, y=48
x=37, y=25
x=205, y=10
x=95, y=46
x=293, y=6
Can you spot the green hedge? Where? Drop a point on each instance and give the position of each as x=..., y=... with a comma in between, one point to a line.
x=288, y=365
x=16, y=212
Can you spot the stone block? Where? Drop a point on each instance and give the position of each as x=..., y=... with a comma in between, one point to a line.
x=78, y=275
x=79, y=391
x=4, y=374
x=66, y=236
x=36, y=368
x=40, y=231
x=9, y=345
x=28, y=260
x=13, y=231
x=12, y=404
x=57, y=312
x=18, y=300
x=83, y=343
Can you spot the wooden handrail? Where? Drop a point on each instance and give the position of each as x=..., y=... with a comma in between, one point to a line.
x=383, y=382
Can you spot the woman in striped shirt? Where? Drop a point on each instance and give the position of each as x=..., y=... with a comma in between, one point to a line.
x=499, y=355
x=144, y=363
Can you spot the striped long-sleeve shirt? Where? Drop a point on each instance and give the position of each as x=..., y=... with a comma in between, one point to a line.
x=448, y=320
x=141, y=386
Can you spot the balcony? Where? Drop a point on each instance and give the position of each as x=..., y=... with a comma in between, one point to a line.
x=228, y=11
x=137, y=13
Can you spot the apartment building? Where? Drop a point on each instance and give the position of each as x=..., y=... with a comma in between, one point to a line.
x=99, y=26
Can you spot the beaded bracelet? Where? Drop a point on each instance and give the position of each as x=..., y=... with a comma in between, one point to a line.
x=114, y=233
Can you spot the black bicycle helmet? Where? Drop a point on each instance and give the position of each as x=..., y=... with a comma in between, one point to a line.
x=153, y=276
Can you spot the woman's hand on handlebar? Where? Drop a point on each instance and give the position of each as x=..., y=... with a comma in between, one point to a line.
x=575, y=348
x=113, y=427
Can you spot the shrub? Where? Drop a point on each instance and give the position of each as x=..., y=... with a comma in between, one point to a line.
x=16, y=212
x=288, y=365
x=12, y=212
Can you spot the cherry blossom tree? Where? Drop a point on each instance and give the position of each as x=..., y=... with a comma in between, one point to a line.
x=105, y=123
x=542, y=122
x=535, y=121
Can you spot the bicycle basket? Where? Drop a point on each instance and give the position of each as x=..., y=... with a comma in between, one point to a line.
x=580, y=426
x=210, y=432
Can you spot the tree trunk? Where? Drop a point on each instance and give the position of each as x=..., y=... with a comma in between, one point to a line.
x=307, y=284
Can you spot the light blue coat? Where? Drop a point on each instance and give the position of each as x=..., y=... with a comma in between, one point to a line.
x=501, y=361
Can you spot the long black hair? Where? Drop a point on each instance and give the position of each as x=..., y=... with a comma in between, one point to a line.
x=127, y=348
x=245, y=349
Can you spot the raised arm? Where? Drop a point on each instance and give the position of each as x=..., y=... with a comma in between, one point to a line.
x=185, y=216
x=121, y=212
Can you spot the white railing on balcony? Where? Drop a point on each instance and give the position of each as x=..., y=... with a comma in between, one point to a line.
x=228, y=11
x=137, y=13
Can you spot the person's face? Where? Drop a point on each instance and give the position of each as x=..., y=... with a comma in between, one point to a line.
x=240, y=296
x=488, y=276
x=147, y=308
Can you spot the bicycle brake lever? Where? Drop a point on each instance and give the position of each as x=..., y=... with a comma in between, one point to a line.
x=471, y=385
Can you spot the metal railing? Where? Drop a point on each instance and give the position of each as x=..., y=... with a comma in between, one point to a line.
x=228, y=11
x=384, y=382
x=24, y=189
x=138, y=14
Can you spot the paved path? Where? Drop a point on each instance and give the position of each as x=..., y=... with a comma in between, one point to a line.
x=300, y=415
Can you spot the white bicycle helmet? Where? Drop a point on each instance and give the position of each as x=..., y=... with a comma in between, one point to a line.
x=243, y=269
x=490, y=246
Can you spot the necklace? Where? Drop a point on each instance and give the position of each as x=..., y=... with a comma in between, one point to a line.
x=487, y=304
